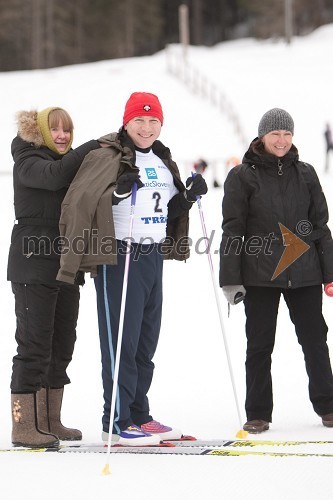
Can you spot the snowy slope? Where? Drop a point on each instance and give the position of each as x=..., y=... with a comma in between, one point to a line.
x=191, y=387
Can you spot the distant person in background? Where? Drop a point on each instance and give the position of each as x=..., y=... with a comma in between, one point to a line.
x=329, y=145
x=46, y=310
x=200, y=166
x=272, y=187
x=231, y=162
x=100, y=199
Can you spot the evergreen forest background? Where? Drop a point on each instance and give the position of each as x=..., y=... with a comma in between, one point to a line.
x=49, y=33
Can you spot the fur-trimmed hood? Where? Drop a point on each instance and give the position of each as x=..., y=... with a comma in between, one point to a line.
x=27, y=127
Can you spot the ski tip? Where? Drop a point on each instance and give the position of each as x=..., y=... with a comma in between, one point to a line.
x=241, y=434
x=106, y=470
x=186, y=437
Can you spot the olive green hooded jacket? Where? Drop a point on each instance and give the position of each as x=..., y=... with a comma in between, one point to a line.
x=86, y=222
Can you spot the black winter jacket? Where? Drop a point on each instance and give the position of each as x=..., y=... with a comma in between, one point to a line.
x=41, y=178
x=258, y=195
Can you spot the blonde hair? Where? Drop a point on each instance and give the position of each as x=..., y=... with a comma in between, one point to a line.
x=57, y=115
x=49, y=118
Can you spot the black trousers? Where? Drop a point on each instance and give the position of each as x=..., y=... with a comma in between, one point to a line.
x=142, y=321
x=305, y=309
x=46, y=317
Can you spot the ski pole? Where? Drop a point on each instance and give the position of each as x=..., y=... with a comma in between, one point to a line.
x=241, y=433
x=106, y=469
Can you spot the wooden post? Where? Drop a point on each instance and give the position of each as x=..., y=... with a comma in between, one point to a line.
x=37, y=37
x=50, y=34
x=288, y=19
x=184, y=31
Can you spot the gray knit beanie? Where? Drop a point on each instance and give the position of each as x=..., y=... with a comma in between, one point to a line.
x=275, y=119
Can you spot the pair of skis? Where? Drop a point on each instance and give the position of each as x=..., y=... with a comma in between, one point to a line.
x=229, y=448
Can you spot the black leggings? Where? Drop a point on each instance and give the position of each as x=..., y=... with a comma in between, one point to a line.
x=46, y=317
x=305, y=309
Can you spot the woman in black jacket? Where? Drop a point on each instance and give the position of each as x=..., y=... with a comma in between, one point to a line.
x=46, y=310
x=276, y=241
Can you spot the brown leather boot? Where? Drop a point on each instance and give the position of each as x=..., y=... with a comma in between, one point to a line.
x=327, y=420
x=25, y=431
x=256, y=426
x=49, y=402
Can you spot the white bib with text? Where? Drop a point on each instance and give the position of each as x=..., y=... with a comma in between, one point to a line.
x=151, y=208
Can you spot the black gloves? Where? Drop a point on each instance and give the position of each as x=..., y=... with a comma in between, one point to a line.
x=182, y=202
x=195, y=186
x=124, y=186
x=126, y=181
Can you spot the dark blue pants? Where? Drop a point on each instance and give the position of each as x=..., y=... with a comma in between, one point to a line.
x=46, y=317
x=142, y=321
x=305, y=309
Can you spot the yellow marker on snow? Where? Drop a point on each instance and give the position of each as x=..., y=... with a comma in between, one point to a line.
x=106, y=470
x=241, y=434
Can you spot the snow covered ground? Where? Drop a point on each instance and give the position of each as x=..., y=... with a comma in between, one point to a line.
x=191, y=387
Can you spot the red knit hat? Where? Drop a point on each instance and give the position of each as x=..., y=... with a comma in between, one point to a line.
x=142, y=104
